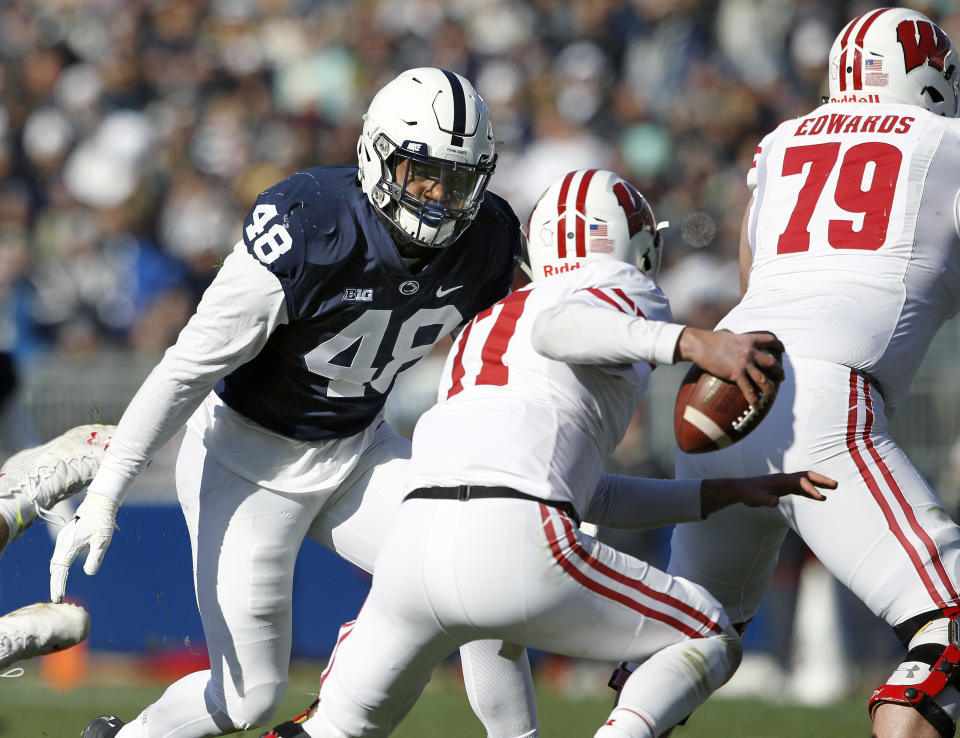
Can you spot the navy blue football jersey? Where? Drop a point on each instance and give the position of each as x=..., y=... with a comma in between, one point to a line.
x=356, y=315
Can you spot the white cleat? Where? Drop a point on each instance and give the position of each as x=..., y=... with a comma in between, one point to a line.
x=36, y=630
x=47, y=474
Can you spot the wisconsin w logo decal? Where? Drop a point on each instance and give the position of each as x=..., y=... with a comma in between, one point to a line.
x=633, y=204
x=923, y=43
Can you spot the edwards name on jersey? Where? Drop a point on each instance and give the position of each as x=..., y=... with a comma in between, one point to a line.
x=356, y=315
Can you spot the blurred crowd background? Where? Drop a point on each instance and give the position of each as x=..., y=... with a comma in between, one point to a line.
x=136, y=134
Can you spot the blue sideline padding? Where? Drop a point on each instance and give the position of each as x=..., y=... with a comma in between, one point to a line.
x=142, y=599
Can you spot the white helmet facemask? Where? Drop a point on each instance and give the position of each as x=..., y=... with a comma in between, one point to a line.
x=426, y=154
x=590, y=215
x=895, y=55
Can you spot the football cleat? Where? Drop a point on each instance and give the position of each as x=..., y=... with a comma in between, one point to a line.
x=288, y=729
x=47, y=474
x=291, y=728
x=105, y=726
x=40, y=629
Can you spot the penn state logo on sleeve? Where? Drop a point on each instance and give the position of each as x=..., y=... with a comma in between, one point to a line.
x=273, y=234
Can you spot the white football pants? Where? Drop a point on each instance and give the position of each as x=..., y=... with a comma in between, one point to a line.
x=245, y=540
x=519, y=571
x=883, y=533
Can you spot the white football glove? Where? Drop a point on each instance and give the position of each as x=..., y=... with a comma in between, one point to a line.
x=91, y=528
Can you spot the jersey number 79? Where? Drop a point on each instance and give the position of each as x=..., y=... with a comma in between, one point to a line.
x=865, y=187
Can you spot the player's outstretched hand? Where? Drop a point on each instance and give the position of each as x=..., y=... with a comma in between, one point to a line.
x=91, y=529
x=749, y=360
x=764, y=491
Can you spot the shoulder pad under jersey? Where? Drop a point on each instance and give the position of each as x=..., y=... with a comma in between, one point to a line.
x=307, y=207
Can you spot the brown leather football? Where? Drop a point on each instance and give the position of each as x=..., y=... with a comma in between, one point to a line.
x=711, y=413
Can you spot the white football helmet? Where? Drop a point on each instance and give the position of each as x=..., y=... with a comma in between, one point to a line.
x=895, y=55
x=590, y=215
x=428, y=129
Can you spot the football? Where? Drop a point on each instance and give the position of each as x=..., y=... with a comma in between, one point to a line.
x=711, y=413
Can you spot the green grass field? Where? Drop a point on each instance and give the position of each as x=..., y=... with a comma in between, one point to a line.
x=29, y=708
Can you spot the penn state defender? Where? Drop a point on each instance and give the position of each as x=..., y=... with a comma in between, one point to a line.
x=851, y=255
x=345, y=276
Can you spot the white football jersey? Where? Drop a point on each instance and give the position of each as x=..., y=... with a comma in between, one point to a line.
x=854, y=233
x=507, y=415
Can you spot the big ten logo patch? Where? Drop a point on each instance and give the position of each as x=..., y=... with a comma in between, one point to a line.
x=356, y=294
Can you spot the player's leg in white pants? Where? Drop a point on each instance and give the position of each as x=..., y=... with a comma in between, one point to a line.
x=355, y=524
x=245, y=541
x=451, y=572
x=500, y=687
x=883, y=532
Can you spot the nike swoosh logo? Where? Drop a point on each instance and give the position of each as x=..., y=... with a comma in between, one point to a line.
x=441, y=292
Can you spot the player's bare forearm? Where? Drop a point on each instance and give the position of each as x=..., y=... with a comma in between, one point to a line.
x=764, y=491
x=750, y=360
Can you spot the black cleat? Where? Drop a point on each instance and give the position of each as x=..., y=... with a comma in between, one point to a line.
x=288, y=729
x=105, y=726
x=291, y=728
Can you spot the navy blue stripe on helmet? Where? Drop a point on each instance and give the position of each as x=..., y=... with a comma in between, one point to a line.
x=459, y=109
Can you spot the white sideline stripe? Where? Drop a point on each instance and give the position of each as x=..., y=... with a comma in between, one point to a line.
x=706, y=426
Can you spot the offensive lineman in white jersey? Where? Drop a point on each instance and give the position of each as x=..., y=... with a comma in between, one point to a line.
x=850, y=253
x=536, y=391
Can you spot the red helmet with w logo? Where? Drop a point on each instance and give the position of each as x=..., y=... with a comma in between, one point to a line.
x=895, y=55
x=589, y=215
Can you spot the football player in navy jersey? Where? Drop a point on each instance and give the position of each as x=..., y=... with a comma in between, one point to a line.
x=345, y=276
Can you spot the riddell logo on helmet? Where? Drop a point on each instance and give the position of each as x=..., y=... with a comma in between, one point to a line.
x=549, y=271
x=855, y=98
